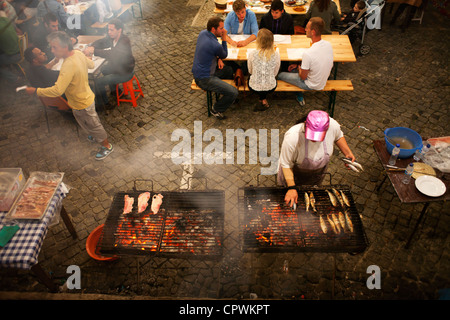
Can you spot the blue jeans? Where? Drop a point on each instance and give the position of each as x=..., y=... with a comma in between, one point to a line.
x=293, y=78
x=109, y=79
x=214, y=84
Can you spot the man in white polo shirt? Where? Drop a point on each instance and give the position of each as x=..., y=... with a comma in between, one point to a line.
x=317, y=62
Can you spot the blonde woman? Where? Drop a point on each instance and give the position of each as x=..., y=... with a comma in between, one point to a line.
x=263, y=66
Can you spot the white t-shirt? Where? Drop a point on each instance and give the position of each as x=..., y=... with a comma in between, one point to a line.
x=292, y=154
x=318, y=60
x=241, y=28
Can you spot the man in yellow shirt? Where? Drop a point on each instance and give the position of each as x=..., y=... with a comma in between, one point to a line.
x=73, y=81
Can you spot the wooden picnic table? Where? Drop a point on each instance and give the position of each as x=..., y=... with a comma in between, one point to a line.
x=342, y=48
x=263, y=10
x=407, y=193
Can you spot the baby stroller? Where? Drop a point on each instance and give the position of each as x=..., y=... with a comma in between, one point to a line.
x=369, y=17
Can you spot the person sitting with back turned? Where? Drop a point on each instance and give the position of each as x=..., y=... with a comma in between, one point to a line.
x=73, y=81
x=263, y=65
x=317, y=62
x=120, y=62
x=325, y=9
x=277, y=20
x=207, y=52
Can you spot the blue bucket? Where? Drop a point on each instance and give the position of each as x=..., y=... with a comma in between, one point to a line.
x=405, y=133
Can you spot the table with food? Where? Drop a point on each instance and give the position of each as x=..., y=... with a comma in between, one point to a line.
x=27, y=209
x=291, y=47
x=428, y=178
x=297, y=7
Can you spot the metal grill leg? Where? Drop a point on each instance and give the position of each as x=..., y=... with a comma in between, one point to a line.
x=209, y=101
x=332, y=103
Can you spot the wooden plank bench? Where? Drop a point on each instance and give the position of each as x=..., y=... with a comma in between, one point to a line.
x=125, y=8
x=332, y=86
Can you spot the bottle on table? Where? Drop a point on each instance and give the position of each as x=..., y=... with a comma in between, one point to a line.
x=394, y=155
x=408, y=173
x=419, y=154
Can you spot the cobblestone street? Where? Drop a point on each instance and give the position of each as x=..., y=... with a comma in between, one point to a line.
x=403, y=81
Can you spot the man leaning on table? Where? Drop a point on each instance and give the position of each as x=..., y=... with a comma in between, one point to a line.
x=120, y=62
x=208, y=51
x=241, y=21
x=316, y=65
x=73, y=81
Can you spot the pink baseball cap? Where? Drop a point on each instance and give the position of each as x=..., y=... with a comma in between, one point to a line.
x=316, y=125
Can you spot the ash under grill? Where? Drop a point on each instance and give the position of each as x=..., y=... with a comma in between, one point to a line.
x=269, y=225
x=188, y=224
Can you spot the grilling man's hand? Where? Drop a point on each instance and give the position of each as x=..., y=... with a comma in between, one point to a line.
x=291, y=197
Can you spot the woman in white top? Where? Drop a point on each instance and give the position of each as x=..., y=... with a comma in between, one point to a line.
x=263, y=66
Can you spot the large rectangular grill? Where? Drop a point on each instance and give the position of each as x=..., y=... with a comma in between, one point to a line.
x=269, y=225
x=188, y=224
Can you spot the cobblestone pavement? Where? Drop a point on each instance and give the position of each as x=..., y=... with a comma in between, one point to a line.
x=403, y=81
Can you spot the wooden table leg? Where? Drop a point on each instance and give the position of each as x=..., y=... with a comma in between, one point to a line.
x=381, y=183
x=417, y=224
x=68, y=223
x=44, y=278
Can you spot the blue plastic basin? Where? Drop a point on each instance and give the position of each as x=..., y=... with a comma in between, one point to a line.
x=405, y=133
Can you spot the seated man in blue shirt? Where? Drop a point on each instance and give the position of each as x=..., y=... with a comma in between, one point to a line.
x=207, y=52
x=241, y=21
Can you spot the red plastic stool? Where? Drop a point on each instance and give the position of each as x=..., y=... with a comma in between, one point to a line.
x=128, y=89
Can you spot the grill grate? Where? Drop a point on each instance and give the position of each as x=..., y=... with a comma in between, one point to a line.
x=269, y=225
x=188, y=224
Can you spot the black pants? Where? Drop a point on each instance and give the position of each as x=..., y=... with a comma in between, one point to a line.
x=261, y=94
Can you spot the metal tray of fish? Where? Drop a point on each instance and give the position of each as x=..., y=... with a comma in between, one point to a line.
x=36, y=195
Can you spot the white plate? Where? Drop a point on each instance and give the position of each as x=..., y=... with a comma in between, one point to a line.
x=278, y=37
x=430, y=186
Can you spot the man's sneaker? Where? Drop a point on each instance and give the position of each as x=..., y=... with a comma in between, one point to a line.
x=300, y=99
x=218, y=115
x=91, y=139
x=103, y=152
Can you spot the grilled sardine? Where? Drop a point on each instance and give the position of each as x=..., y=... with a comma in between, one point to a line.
x=323, y=225
x=332, y=198
x=312, y=200
x=336, y=222
x=306, y=201
x=338, y=196
x=344, y=197
x=332, y=224
x=349, y=221
x=342, y=220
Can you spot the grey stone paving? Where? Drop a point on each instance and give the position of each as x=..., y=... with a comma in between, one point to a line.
x=403, y=81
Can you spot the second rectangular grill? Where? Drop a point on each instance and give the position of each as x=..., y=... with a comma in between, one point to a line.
x=269, y=225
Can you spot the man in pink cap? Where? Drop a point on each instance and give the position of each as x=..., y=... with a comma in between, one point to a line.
x=306, y=151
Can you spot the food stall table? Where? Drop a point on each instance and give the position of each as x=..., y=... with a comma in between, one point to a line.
x=262, y=9
x=407, y=193
x=22, y=251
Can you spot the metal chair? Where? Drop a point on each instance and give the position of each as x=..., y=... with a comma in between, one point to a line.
x=23, y=45
x=59, y=103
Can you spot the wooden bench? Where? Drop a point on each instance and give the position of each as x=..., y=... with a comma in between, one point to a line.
x=125, y=8
x=332, y=86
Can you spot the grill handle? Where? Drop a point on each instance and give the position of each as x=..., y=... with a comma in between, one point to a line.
x=190, y=178
x=274, y=179
x=329, y=174
x=141, y=180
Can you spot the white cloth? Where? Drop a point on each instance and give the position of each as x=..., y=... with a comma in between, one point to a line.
x=263, y=72
x=292, y=154
x=318, y=60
